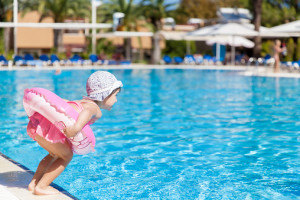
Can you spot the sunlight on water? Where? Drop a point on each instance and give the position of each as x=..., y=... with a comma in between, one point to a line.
x=174, y=134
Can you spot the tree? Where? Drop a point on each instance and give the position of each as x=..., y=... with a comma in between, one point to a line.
x=6, y=15
x=276, y=13
x=290, y=50
x=257, y=5
x=130, y=20
x=298, y=49
x=233, y=3
x=59, y=10
x=204, y=9
x=155, y=11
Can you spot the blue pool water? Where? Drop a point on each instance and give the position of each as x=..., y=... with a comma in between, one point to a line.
x=174, y=134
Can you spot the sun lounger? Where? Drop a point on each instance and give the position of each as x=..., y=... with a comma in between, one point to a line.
x=55, y=61
x=189, y=59
x=76, y=60
x=178, y=60
x=19, y=61
x=208, y=59
x=95, y=60
x=125, y=62
x=3, y=61
x=167, y=59
x=112, y=62
x=30, y=61
x=45, y=60
x=199, y=59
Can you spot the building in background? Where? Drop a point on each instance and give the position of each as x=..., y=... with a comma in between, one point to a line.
x=37, y=41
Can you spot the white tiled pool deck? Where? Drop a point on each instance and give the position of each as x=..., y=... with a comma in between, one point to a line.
x=14, y=180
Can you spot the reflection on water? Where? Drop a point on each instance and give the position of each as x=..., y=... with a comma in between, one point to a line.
x=173, y=134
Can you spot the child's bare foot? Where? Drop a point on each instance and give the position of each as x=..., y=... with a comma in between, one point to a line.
x=46, y=191
x=31, y=186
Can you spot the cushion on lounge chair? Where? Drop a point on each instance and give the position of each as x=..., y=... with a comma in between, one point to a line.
x=167, y=59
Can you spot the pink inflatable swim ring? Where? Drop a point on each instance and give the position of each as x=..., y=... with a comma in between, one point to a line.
x=59, y=113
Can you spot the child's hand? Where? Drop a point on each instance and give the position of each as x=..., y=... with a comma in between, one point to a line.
x=70, y=131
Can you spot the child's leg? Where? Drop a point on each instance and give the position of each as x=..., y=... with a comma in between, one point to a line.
x=44, y=164
x=57, y=167
x=64, y=156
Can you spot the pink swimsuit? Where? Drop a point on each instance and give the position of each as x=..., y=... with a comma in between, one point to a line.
x=43, y=127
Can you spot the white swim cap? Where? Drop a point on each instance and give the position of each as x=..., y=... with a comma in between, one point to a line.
x=101, y=84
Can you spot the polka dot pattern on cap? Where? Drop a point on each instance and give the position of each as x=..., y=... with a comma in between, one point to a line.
x=101, y=84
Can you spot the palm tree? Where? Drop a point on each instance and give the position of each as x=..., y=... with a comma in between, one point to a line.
x=257, y=6
x=59, y=10
x=6, y=15
x=130, y=20
x=155, y=11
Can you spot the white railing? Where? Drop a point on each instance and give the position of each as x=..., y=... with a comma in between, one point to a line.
x=56, y=25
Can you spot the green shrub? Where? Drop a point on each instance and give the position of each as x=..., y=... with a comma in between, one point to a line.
x=84, y=55
x=61, y=55
x=267, y=48
x=2, y=41
x=10, y=55
x=178, y=48
x=298, y=49
x=290, y=50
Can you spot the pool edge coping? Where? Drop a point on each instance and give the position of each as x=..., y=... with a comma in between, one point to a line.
x=256, y=71
x=59, y=188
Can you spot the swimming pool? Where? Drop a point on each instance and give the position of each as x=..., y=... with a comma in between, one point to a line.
x=174, y=134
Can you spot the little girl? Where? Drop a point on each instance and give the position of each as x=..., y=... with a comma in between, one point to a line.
x=102, y=88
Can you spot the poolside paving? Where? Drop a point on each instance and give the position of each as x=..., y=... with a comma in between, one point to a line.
x=14, y=180
x=245, y=70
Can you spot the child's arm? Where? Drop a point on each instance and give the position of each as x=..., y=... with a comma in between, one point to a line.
x=84, y=117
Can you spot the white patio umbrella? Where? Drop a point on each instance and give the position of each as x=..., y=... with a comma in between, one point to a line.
x=181, y=35
x=228, y=40
x=236, y=41
x=292, y=28
x=229, y=29
x=225, y=29
x=268, y=32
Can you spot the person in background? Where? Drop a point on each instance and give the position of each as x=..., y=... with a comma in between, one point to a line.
x=277, y=51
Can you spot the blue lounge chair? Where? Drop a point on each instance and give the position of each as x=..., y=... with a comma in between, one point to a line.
x=112, y=62
x=44, y=58
x=18, y=60
x=54, y=58
x=94, y=59
x=238, y=58
x=214, y=60
x=28, y=57
x=56, y=61
x=296, y=65
x=268, y=60
x=208, y=59
x=198, y=59
x=125, y=62
x=167, y=59
x=29, y=60
x=189, y=59
x=76, y=59
x=3, y=60
x=178, y=60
